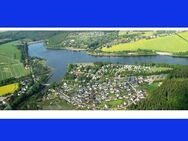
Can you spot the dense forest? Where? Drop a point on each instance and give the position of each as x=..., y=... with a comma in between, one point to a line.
x=171, y=95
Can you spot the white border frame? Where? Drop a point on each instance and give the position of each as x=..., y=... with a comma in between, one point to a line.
x=87, y=28
x=66, y=114
x=77, y=114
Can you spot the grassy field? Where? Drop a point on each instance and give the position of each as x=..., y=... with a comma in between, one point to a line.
x=10, y=65
x=159, y=69
x=8, y=89
x=171, y=43
x=152, y=87
x=113, y=103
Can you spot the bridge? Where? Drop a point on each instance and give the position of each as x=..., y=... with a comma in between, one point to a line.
x=34, y=42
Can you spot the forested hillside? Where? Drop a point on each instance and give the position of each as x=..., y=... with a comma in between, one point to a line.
x=171, y=95
x=65, y=39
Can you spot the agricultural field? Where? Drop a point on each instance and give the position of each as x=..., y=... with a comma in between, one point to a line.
x=8, y=89
x=184, y=35
x=10, y=65
x=172, y=44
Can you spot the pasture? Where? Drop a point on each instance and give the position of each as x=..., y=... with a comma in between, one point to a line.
x=8, y=89
x=171, y=43
x=10, y=65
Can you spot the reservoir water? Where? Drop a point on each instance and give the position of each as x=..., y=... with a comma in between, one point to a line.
x=59, y=59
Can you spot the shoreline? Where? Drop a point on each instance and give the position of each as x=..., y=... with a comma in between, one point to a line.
x=129, y=54
x=71, y=49
x=136, y=55
x=120, y=55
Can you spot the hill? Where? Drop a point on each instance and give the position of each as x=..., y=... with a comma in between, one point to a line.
x=81, y=39
x=172, y=43
x=32, y=35
x=171, y=95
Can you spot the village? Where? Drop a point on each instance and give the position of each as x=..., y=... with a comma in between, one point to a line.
x=105, y=87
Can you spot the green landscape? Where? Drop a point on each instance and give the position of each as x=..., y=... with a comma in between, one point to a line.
x=171, y=95
x=94, y=70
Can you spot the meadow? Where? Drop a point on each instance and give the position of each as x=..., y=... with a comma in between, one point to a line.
x=8, y=89
x=170, y=43
x=10, y=65
x=184, y=35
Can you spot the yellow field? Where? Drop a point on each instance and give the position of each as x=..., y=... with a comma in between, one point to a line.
x=171, y=44
x=184, y=35
x=8, y=89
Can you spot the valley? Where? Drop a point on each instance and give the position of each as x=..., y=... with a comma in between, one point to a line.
x=93, y=70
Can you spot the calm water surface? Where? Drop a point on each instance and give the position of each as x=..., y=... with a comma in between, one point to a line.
x=58, y=59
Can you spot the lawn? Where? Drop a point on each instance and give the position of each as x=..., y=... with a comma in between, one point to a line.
x=112, y=103
x=10, y=65
x=171, y=43
x=8, y=89
x=152, y=87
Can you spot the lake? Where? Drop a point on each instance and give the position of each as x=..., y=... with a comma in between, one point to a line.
x=59, y=59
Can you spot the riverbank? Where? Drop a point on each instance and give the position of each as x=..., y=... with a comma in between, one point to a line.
x=120, y=54
x=135, y=54
x=171, y=54
x=71, y=49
